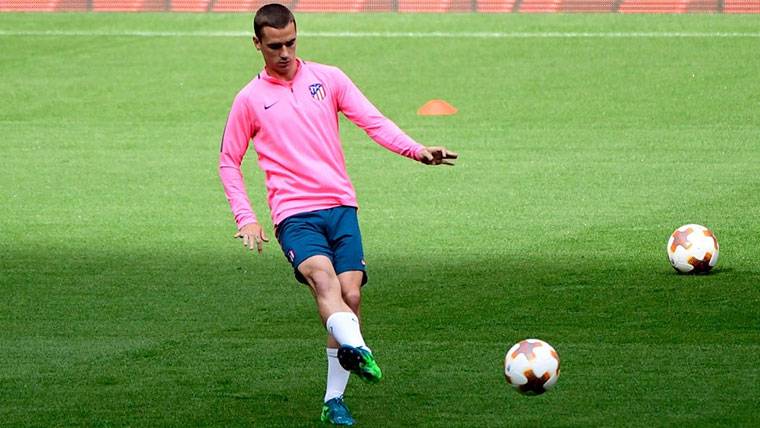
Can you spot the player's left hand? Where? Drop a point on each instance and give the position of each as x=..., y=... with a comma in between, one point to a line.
x=437, y=156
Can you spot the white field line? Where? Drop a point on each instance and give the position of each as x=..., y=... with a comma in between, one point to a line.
x=371, y=34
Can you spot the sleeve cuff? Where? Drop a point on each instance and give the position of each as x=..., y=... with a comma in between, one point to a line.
x=246, y=221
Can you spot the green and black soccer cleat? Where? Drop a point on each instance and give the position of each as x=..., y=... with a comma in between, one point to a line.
x=360, y=362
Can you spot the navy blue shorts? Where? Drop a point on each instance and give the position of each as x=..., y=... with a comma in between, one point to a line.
x=332, y=232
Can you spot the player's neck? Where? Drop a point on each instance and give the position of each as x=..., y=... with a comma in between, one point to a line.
x=286, y=77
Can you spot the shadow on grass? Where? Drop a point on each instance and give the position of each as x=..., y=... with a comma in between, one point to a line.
x=219, y=337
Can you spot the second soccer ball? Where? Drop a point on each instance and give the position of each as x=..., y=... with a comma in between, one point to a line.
x=693, y=248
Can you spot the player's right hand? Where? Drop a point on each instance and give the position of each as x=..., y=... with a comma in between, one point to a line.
x=253, y=236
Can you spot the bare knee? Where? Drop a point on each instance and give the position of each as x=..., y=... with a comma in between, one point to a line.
x=320, y=279
x=324, y=285
x=353, y=299
x=318, y=271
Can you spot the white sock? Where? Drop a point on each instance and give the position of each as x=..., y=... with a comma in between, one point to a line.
x=337, y=376
x=344, y=327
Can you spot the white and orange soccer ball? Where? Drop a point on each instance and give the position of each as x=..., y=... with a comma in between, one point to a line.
x=693, y=249
x=531, y=366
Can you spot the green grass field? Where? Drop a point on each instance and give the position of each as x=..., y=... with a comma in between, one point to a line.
x=125, y=300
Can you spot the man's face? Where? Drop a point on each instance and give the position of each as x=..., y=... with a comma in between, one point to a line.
x=278, y=47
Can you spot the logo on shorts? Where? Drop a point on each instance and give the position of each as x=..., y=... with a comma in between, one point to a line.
x=364, y=263
x=291, y=255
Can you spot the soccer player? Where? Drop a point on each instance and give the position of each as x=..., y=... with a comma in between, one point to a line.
x=290, y=110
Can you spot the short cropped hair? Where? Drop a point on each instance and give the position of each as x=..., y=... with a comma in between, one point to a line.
x=272, y=15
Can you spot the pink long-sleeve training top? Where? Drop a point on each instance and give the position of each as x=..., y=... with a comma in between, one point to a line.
x=294, y=127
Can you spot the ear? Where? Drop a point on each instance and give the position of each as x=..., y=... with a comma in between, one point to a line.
x=257, y=43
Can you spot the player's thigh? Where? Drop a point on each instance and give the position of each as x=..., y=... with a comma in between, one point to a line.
x=302, y=237
x=346, y=243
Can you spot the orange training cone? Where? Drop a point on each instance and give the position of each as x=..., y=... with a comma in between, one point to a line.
x=436, y=108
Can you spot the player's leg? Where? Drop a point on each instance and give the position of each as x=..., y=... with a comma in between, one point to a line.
x=351, y=289
x=348, y=260
x=321, y=278
x=357, y=359
x=337, y=376
x=334, y=410
x=338, y=317
x=308, y=250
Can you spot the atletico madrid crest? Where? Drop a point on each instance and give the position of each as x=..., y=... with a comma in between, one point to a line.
x=317, y=91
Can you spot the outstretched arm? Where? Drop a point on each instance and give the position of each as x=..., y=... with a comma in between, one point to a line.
x=359, y=110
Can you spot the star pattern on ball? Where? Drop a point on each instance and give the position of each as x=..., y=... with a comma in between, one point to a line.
x=535, y=384
x=701, y=265
x=526, y=348
x=681, y=238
